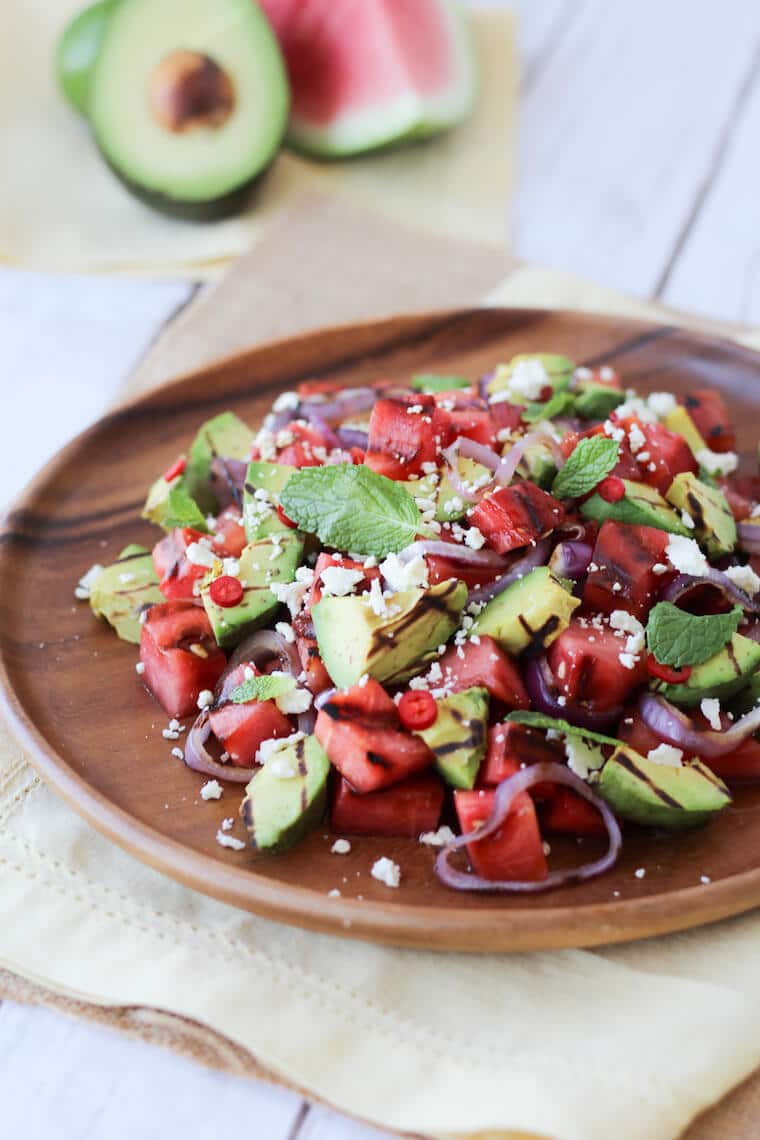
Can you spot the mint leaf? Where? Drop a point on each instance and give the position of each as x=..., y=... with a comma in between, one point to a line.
x=593, y=459
x=351, y=507
x=678, y=638
x=432, y=382
x=538, y=720
x=181, y=511
x=264, y=688
x=559, y=403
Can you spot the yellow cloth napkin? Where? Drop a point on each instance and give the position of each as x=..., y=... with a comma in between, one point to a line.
x=629, y=1042
x=60, y=207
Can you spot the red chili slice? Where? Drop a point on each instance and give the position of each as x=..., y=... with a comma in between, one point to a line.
x=611, y=489
x=226, y=591
x=417, y=710
x=546, y=393
x=285, y=520
x=667, y=674
x=177, y=468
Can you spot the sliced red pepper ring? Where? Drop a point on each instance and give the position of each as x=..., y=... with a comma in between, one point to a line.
x=417, y=710
x=226, y=591
x=285, y=520
x=177, y=468
x=611, y=489
x=666, y=673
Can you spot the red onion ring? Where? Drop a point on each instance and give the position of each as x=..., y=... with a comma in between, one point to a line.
x=539, y=682
x=536, y=556
x=323, y=697
x=318, y=421
x=452, y=472
x=685, y=583
x=455, y=551
x=350, y=402
x=571, y=559
x=511, y=460
x=676, y=728
x=259, y=647
x=749, y=537
x=352, y=437
x=471, y=449
x=552, y=772
x=200, y=759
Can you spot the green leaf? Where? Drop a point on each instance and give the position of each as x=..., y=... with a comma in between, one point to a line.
x=181, y=510
x=678, y=638
x=593, y=459
x=433, y=382
x=264, y=688
x=353, y=508
x=559, y=403
x=538, y=720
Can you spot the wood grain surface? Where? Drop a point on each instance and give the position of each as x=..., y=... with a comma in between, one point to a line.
x=92, y=731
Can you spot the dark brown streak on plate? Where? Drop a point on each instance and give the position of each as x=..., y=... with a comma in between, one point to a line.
x=627, y=346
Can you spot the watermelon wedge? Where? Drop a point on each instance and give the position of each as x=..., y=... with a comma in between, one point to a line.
x=367, y=73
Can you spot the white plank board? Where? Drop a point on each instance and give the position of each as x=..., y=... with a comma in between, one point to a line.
x=621, y=128
x=61, y=1078
x=321, y=1123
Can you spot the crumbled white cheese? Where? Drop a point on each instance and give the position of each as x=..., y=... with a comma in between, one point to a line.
x=229, y=841
x=211, y=790
x=474, y=539
x=745, y=578
x=582, y=758
x=716, y=462
x=684, y=554
x=293, y=593
x=180, y=755
x=662, y=403
x=170, y=734
x=414, y=409
x=659, y=568
x=228, y=824
x=205, y=699
x=437, y=838
x=628, y=660
x=454, y=506
x=282, y=767
x=666, y=755
x=625, y=622
x=339, y=581
x=334, y=893
x=286, y=402
x=635, y=406
x=140, y=668
x=710, y=708
x=404, y=575
x=705, y=879
x=636, y=438
x=294, y=702
x=87, y=581
x=340, y=847
x=582, y=373
x=640, y=872
x=285, y=630
x=269, y=749
x=687, y=520
x=386, y=871
x=375, y=599
x=200, y=555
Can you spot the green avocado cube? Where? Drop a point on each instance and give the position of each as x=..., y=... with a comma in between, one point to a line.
x=721, y=676
x=225, y=435
x=450, y=506
x=458, y=738
x=170, y=505
x=641, y=505
x=121, y=592
x=559, y=371
x=714, y=525
x=660, y=795
x=532, y=612
x=264, y=483
x=286, y=797
x=595, y=401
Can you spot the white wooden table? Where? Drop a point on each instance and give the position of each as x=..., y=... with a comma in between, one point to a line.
x=639, y=126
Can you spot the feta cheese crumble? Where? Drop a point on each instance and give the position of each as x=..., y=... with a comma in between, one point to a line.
x=211, y=790
x=717, y=463
x=404, y=575
x=662, y=403
x=340, y=847
x=666, y=755
x=386, y=872
x=294, y=702
x=200, y=555
x=230, y=841
x=710, y=708
x=339, y=581
x=87, y=581
x=685, y=556
x=745, y=578
x=582, y=758
x=437, y=838
x=205, y=699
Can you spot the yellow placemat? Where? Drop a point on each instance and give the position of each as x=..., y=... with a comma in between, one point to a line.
x=60, y=208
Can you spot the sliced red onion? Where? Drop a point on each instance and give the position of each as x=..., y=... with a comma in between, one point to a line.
x=536, y=556
x=352, y=437
x=261, y=646
x=572, y=532
x=452, y=471
x=471, y=449
x=200, y=759
x=539, y=682
x=511, y=460
x=749, y=537
x=323, y=697
x=506, y=792
x=676, y=728
x=681, y=586
x=483, y=383
x=318, y=421
x=342, y=405
x=456, y=551
x=571, y=559
x=306, y=722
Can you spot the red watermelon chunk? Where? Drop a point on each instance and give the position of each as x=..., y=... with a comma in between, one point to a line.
x=179, y=655
x=517, y=516
x=708, y=410
x=513, y=746
x=177, y=575
x=515, y=851
x=404, y=434
x=407, y=809
x=366, y=74
x=484, y=662
x=624, y=577
x=586, y=663
x=567, y=813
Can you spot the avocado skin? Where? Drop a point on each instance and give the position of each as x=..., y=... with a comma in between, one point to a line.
x=77, y=50
x=656, y=795
x=278, y=812
x=721, y=676
x=213, y=210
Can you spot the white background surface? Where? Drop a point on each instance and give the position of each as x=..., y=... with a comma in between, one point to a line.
x=639, y=126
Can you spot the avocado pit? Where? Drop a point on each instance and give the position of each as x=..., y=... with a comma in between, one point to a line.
x=189, y=90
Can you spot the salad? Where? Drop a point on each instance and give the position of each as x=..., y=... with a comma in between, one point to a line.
x=477, y=613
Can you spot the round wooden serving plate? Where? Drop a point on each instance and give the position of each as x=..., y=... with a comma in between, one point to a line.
x=71, y=694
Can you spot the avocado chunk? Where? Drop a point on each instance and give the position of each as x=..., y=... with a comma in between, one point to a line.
x=77, y=50
x=188, y=101
x=537, y=464
x=680, y=421
x=262, y=563
x=721, y=676
x=595, y=401
x=450, y=506
x=559, y=372
x=714, y=524
x=392, y=645
x=531, y=613
x=121, y=592
x=641, y=505
x=286, y=797
x=659, y=795
x=433, y=382
x=169, y=505
x=458, y=736
x=225, y=435
x=261, y=495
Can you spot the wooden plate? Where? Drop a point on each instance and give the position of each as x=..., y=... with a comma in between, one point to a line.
x=75, y=702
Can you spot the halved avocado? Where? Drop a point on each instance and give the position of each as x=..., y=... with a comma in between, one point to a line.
x=188, y=101
x=77, y=50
